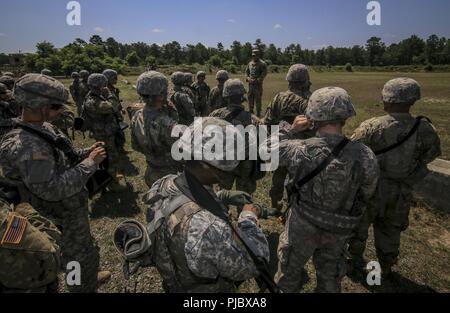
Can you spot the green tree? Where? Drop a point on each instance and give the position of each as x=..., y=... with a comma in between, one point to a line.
x=132, y=59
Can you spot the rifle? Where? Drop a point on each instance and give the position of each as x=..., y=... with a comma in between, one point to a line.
x=204, y=199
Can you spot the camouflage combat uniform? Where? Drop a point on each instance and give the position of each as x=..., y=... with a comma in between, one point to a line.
x=328, y=207
x=195, y=251
x=182, y=100
x=202, y=91
x=83, y=89
x=75, y=92
x=8, y=107
x=256, y=72
x=243, y=173
x=112, y=75
x=31, y=262
x=55, y=188
x=151, y=129
x=65, y=121
x=286, y=106
x=401, y=168
x=216, y=100
x=99, y=113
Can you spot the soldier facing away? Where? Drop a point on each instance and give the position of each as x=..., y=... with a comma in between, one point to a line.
x=29, y=250
x=74, y=89
x=202, y=90
x=402, y=166
x=325, y=208
x=193, y=249
x=84, y=89
x=216, y=100
x=47, y=178
x=181, y=99
x=256, y=72
x=151, y=127
x=235, y=113
x=99, y=113
x=112, y=76
x=286, y=106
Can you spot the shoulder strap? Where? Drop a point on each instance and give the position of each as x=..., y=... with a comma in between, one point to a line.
x=405, y=139
x=295, y=186
x=162, y=214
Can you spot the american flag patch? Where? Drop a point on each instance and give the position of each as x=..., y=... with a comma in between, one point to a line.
x=15, y=229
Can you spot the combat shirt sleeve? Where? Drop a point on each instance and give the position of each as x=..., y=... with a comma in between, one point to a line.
x=37, y=168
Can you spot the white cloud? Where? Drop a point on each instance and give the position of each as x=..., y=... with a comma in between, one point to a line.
x=2, y=34
x=231, y=20
x=309, y=38
x=158, y=30
x=277, y=26
x=99, y=29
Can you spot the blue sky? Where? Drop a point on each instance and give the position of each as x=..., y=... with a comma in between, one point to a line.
x=313, y=24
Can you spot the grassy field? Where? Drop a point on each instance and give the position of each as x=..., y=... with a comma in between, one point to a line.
x=425, y=252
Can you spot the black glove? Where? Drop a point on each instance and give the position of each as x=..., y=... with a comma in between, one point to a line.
x=236, y=198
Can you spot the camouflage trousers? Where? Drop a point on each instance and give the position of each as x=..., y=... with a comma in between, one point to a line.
x=388, y=213
x=255, y=93
x=153, y=173
x=241, y=175
x=299, y=242
x=277, y=190
x=79, y=245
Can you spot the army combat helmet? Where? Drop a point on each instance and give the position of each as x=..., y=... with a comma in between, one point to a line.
x=188, y=79
x=222, y=76
x=46, y=71
x=330, y=104
x=152, y=83
x=177, y=78
x=97, y=81
x=233, y=87
x=298, y=73
x=110, y=75
x=401, y=91
x=34, y=91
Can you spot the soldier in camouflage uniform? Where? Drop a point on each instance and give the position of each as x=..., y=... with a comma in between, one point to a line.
x=256, y=71
x=216, y=100
x=8, y=81
x=202, y=91
x=181, y=99
x=235, y=113
x=75, y=92
x=111, y=75
x=151, y=127
x=286, y=106
x=47, y=179
x=323, y=211
x=29, y=258
x=99, y=114
x=8, y=107
x=401, y=168
x=193, y=249
x=84, y=88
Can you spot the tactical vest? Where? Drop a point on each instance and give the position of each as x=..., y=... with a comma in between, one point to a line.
x=177, y=225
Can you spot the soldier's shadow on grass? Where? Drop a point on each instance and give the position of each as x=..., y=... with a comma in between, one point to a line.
x=116, y=204
x=273, y=239
x=128, y=167
x=398, y=284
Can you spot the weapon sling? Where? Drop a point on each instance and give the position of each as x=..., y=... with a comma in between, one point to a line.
x=295, y=186
x=406, y=138
x=205, y=200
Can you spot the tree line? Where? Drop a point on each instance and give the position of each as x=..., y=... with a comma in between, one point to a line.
x=98, y=54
